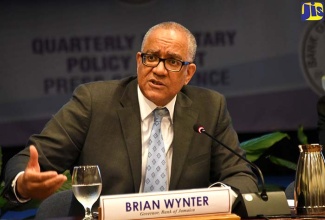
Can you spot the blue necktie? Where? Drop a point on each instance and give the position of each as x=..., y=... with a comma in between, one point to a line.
x=156, y=173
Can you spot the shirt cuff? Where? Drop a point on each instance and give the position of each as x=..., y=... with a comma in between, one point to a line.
x=13, y=185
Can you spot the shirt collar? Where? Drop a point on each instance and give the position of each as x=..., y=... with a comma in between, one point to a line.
x=147, y=106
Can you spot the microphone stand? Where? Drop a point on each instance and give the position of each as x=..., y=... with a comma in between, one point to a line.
x=252, y=204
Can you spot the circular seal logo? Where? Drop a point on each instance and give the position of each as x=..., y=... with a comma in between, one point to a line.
x=312, y=56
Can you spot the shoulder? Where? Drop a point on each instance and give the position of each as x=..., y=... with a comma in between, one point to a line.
x=111, y=83
x=199, y=94
x=108, y=86
x=105, y=91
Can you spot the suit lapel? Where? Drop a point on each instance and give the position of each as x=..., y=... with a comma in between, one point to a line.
x=184, y=119
x=131, y=126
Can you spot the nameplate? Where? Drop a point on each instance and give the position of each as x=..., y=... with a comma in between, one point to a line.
x=166, y=204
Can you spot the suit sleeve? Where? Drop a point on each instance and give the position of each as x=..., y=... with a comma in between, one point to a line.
x=59, y=143
x=226, y=166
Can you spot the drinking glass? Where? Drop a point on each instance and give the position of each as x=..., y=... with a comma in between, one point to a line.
x=86, y=186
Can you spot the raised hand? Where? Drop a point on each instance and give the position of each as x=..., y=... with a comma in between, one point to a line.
x=35, y=184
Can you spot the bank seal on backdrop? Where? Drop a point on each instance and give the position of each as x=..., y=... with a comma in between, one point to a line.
x=312, y=55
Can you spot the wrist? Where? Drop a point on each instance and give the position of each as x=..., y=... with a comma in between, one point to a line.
x=16, y=189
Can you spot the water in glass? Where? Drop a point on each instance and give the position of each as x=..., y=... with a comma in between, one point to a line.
x=86, y=186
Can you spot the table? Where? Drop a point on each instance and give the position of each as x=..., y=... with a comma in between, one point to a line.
x=212, y=217
x=233, y=217
x=216, y=217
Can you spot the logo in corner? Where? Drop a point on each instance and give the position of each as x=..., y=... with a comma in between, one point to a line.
x=312, y=11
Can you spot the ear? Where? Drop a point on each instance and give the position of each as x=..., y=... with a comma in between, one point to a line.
x=191, y=68
x=138, y=58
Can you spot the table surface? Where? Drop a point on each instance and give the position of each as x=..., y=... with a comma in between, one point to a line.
x=217, y=217
x=220, y=217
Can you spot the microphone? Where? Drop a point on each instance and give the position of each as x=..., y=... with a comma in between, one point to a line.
x=254, y=204
x=200, y=129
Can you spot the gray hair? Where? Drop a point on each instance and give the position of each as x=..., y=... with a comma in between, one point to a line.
x=174, y=26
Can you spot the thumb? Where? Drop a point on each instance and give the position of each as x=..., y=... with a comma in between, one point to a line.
x=33, y=159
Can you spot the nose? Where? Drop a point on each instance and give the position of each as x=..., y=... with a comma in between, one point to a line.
x=160, y=68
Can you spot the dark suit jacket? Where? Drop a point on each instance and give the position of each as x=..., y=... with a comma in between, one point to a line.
x=101, y=125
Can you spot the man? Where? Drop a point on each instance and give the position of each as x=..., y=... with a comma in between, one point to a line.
x=109, y=124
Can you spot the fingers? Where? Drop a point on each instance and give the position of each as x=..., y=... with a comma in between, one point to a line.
x=43, y=189
x=41, y=176
x=49, y=186
x=33, y=160
x=41, y=185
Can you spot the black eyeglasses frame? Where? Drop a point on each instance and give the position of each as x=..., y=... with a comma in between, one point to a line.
x=184, y=63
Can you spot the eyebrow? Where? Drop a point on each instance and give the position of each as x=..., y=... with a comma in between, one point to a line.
x=173, y=55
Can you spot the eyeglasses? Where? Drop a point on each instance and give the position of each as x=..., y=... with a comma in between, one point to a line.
x=170, y=64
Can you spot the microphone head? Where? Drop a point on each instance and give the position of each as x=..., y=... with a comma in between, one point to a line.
x=198, y=128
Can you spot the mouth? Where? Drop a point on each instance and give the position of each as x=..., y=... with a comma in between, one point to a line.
x=156, y=83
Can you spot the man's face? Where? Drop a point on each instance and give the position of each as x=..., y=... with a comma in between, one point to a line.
x=156, y=83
